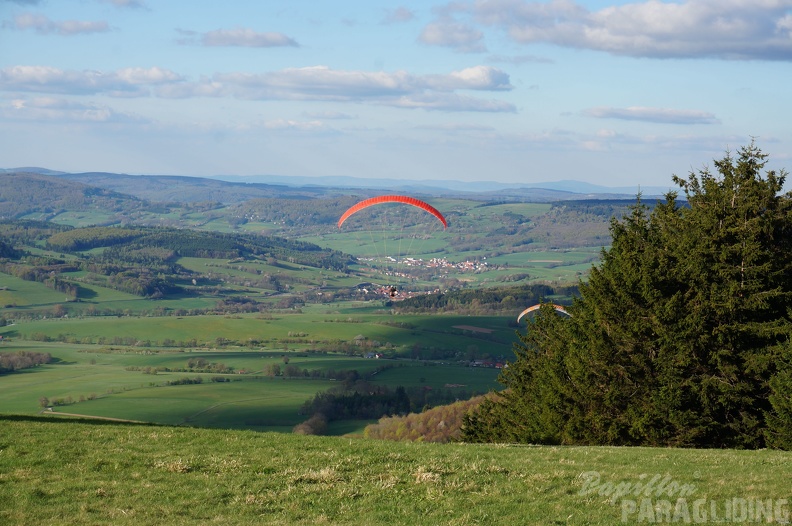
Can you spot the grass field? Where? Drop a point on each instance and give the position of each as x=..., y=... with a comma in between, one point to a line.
x=317, y=328
x=261, y=404
x=110, y=382
x=20, y=293
x=84, y=473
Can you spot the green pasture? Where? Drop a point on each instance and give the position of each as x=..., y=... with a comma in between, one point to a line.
x=95, y=294
x=450, y=206
x=527, y=210
x=339, y=279
x=549, y=258
x=466, y=217
x=255, y=268
x=244, y=268
x=222, y=224
x=383, y=243
x=73, y=218
x=20, y=293
x=57, y=471
x=559, y=275
x=247, y=273
x=297, y=331
x=258, y=227
x=111, y=382
x=85, y=370
x=87, y=218
x=75, y=372
x=39, y=251
x=263, y=404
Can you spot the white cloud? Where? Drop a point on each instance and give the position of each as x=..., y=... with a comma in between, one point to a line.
x=328, y=115
x=394, y=89
x=725, y=29
x=657, y=115
x=152, y=75
x=519, y=59
x=45, y=79
x=457, y=127
x=480, y=78
x=134, y=4
x=51, y=109
x=238, y=37
x=449, y=102
x=449, y=33
x=43, y=25
x=315, y=83
x=398, y=16
x=288, y=124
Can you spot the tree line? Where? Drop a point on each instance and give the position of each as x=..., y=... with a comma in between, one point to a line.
x=359, y=399
x=482, y=300
x=439, y=424
x=16, y=361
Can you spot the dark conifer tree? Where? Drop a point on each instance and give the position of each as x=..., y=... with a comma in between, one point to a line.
x=779, y=420
x=678, y=336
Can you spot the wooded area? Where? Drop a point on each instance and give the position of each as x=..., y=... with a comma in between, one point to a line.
x=681, y=337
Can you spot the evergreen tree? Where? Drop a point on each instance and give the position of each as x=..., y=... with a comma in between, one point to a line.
x=779, y=420
x=678, y=335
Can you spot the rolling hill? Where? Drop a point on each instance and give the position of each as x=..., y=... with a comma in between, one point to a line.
x=23, y=193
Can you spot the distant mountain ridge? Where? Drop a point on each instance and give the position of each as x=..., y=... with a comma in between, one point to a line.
x=571, y=186
x=232, y=189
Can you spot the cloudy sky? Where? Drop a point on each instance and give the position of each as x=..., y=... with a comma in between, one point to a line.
x=610, y=92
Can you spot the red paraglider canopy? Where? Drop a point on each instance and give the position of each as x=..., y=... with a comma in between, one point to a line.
x=392, y=199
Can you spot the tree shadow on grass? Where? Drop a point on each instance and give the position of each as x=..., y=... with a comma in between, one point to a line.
x=56, y=418
x=84, y=293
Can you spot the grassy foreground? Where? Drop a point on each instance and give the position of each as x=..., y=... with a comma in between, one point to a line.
x=55, y=471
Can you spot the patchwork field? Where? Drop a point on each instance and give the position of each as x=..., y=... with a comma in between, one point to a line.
x=133, y=383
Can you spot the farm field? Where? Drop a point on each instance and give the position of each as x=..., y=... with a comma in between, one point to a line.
x=317, y=328
x=16, y=292
x=117, y=382
x=83, y=473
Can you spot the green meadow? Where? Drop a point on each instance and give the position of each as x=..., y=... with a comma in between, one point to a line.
x=316, y=328
x=80, y=472
x=16, y=292
x=270, y=404
x=132, y=383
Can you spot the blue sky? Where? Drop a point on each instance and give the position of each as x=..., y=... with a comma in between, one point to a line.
x=614, y=93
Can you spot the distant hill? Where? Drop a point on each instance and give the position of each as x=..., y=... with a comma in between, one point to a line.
x=183, y=189
x=27, y=193
x=30, y=169
x=554, y=190
x=235, y=189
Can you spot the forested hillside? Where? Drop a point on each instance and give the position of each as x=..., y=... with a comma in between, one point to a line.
x=141, y=261
x=22, y=194
x=182, y=189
